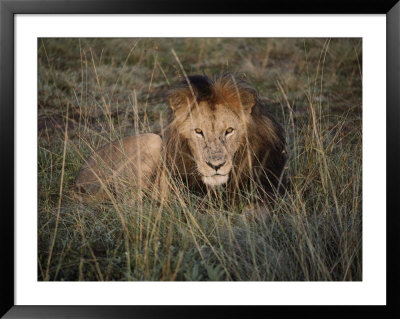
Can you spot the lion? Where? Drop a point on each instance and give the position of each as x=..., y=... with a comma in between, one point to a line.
x=220, y=134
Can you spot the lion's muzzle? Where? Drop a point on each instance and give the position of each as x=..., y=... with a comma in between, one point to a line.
x=218, y=170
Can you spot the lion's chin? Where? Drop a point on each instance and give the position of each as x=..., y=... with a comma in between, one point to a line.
x=215, y=180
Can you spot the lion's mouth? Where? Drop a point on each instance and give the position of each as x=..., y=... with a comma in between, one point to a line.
x=215, y=180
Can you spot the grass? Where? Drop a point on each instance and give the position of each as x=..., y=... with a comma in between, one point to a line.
x=92, y=91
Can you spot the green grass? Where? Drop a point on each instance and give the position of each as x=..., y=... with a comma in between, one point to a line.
x=92, y=91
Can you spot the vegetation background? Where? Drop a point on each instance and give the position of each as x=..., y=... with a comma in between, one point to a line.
x=92, y=91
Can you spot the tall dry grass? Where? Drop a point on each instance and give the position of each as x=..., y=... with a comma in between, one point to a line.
x=92, y=91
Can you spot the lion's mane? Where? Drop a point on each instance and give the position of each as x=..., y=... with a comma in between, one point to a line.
x=261, y=156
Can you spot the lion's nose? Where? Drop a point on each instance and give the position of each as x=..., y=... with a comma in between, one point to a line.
x=216, y=167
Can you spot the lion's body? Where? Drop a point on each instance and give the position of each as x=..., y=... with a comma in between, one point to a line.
x=131, y=162
x=220, y=134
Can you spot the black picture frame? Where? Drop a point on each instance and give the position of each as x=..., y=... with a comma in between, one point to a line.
x=8, y=10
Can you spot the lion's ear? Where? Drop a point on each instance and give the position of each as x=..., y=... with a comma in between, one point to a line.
x=248, y=99
x=173, y=103
x=178, y=99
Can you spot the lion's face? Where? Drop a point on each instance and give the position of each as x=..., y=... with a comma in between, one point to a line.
x=214, y=133
x=212, y=116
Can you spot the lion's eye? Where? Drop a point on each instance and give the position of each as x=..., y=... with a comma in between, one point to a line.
x=199, y=131
x=229, y=131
